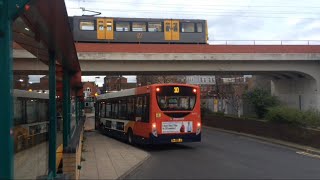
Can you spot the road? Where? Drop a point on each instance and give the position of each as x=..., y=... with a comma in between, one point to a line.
x=224, y=156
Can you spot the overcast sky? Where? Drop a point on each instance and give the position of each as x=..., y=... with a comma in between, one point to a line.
x=227, y=19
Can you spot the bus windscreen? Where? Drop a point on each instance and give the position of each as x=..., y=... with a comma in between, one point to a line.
x=176, y=98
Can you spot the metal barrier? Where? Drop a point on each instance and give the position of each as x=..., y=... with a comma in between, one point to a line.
x=264, y=42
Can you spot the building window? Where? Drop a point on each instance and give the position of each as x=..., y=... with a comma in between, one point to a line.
x=154, y=27
x=87, y=25
x=122, y=26
x=187, y=27
x=199, y=27
x=139, y=26
x=88, y=89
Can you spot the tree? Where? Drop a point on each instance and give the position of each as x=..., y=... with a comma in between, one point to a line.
x=152, y=79
x=234, y=97
x=261, y=100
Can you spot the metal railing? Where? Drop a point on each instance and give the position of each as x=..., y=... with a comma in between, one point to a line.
x=264, y=42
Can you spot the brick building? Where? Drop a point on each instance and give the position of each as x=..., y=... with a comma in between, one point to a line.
x=90, y=90
x=116, y=83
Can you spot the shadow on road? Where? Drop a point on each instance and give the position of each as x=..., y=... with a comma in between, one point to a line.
x=165, y=147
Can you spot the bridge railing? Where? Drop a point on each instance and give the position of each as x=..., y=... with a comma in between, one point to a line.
x=264, y=42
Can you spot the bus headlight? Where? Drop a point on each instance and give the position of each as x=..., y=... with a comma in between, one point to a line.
x=154, y=129
x=198, y=128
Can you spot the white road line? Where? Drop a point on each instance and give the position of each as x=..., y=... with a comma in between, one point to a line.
x=308, y=154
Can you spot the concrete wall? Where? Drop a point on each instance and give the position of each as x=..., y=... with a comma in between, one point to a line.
x=297, y=93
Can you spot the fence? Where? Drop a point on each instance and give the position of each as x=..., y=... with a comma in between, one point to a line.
x=264, y=42
x=225, y=106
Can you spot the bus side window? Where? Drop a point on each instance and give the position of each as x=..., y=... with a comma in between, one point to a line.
x=130, y=109
x=138, y=109
x=123, y=108
x=145, y=114
x=115, y=110
x=108, y=110
x=102, y=112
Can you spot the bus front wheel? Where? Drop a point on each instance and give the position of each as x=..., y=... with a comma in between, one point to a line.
x=130, y=137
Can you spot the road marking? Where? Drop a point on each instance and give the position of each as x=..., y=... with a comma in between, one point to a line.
x=308, y=154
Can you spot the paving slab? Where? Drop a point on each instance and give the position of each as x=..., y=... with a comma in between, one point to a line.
x=107, y=158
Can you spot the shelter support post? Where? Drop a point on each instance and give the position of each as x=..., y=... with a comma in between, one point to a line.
x=9, y=10
x=53, y=114
x=66, y=108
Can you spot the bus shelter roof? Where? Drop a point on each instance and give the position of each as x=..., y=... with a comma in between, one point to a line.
x=44, y=27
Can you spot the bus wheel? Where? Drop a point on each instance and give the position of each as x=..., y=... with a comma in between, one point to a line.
x=130, y=137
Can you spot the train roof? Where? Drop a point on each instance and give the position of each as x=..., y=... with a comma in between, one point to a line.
x=144, y=19
x=28, y=94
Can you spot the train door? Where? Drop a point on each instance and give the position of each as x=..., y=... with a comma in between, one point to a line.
x=167, y=30
x=109, y=29
x=105, y=29
x=101, y=32
x=175, y=33
x=171, y=30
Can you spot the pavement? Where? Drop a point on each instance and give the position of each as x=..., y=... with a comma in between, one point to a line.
x=107, y=158
x=32, y=162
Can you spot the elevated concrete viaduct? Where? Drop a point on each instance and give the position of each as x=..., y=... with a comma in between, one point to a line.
x=294, y=70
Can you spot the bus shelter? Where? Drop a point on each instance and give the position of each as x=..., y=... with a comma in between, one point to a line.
x=40, y=27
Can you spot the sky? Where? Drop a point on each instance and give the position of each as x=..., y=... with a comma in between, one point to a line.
x=237, y=21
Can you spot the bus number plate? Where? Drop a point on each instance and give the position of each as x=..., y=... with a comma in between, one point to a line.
x=176, y=140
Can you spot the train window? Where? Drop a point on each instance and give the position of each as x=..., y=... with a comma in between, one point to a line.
x=43, y=111
x=87, y=25
x=122, y=26
x=139, y=26
x=199, y=27
x=18, y=113
x=154, y=26
x=168, y=27
x=175, y=27
x=31, y=111
x=109, y=26
x=187, y=27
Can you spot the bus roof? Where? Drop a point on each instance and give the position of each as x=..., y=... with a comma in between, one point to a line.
x=138, y=90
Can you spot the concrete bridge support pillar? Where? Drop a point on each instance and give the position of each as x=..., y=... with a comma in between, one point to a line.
x=301, y=93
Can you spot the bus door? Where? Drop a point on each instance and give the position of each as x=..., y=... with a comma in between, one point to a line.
x=142, y=126
x=171, y=30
